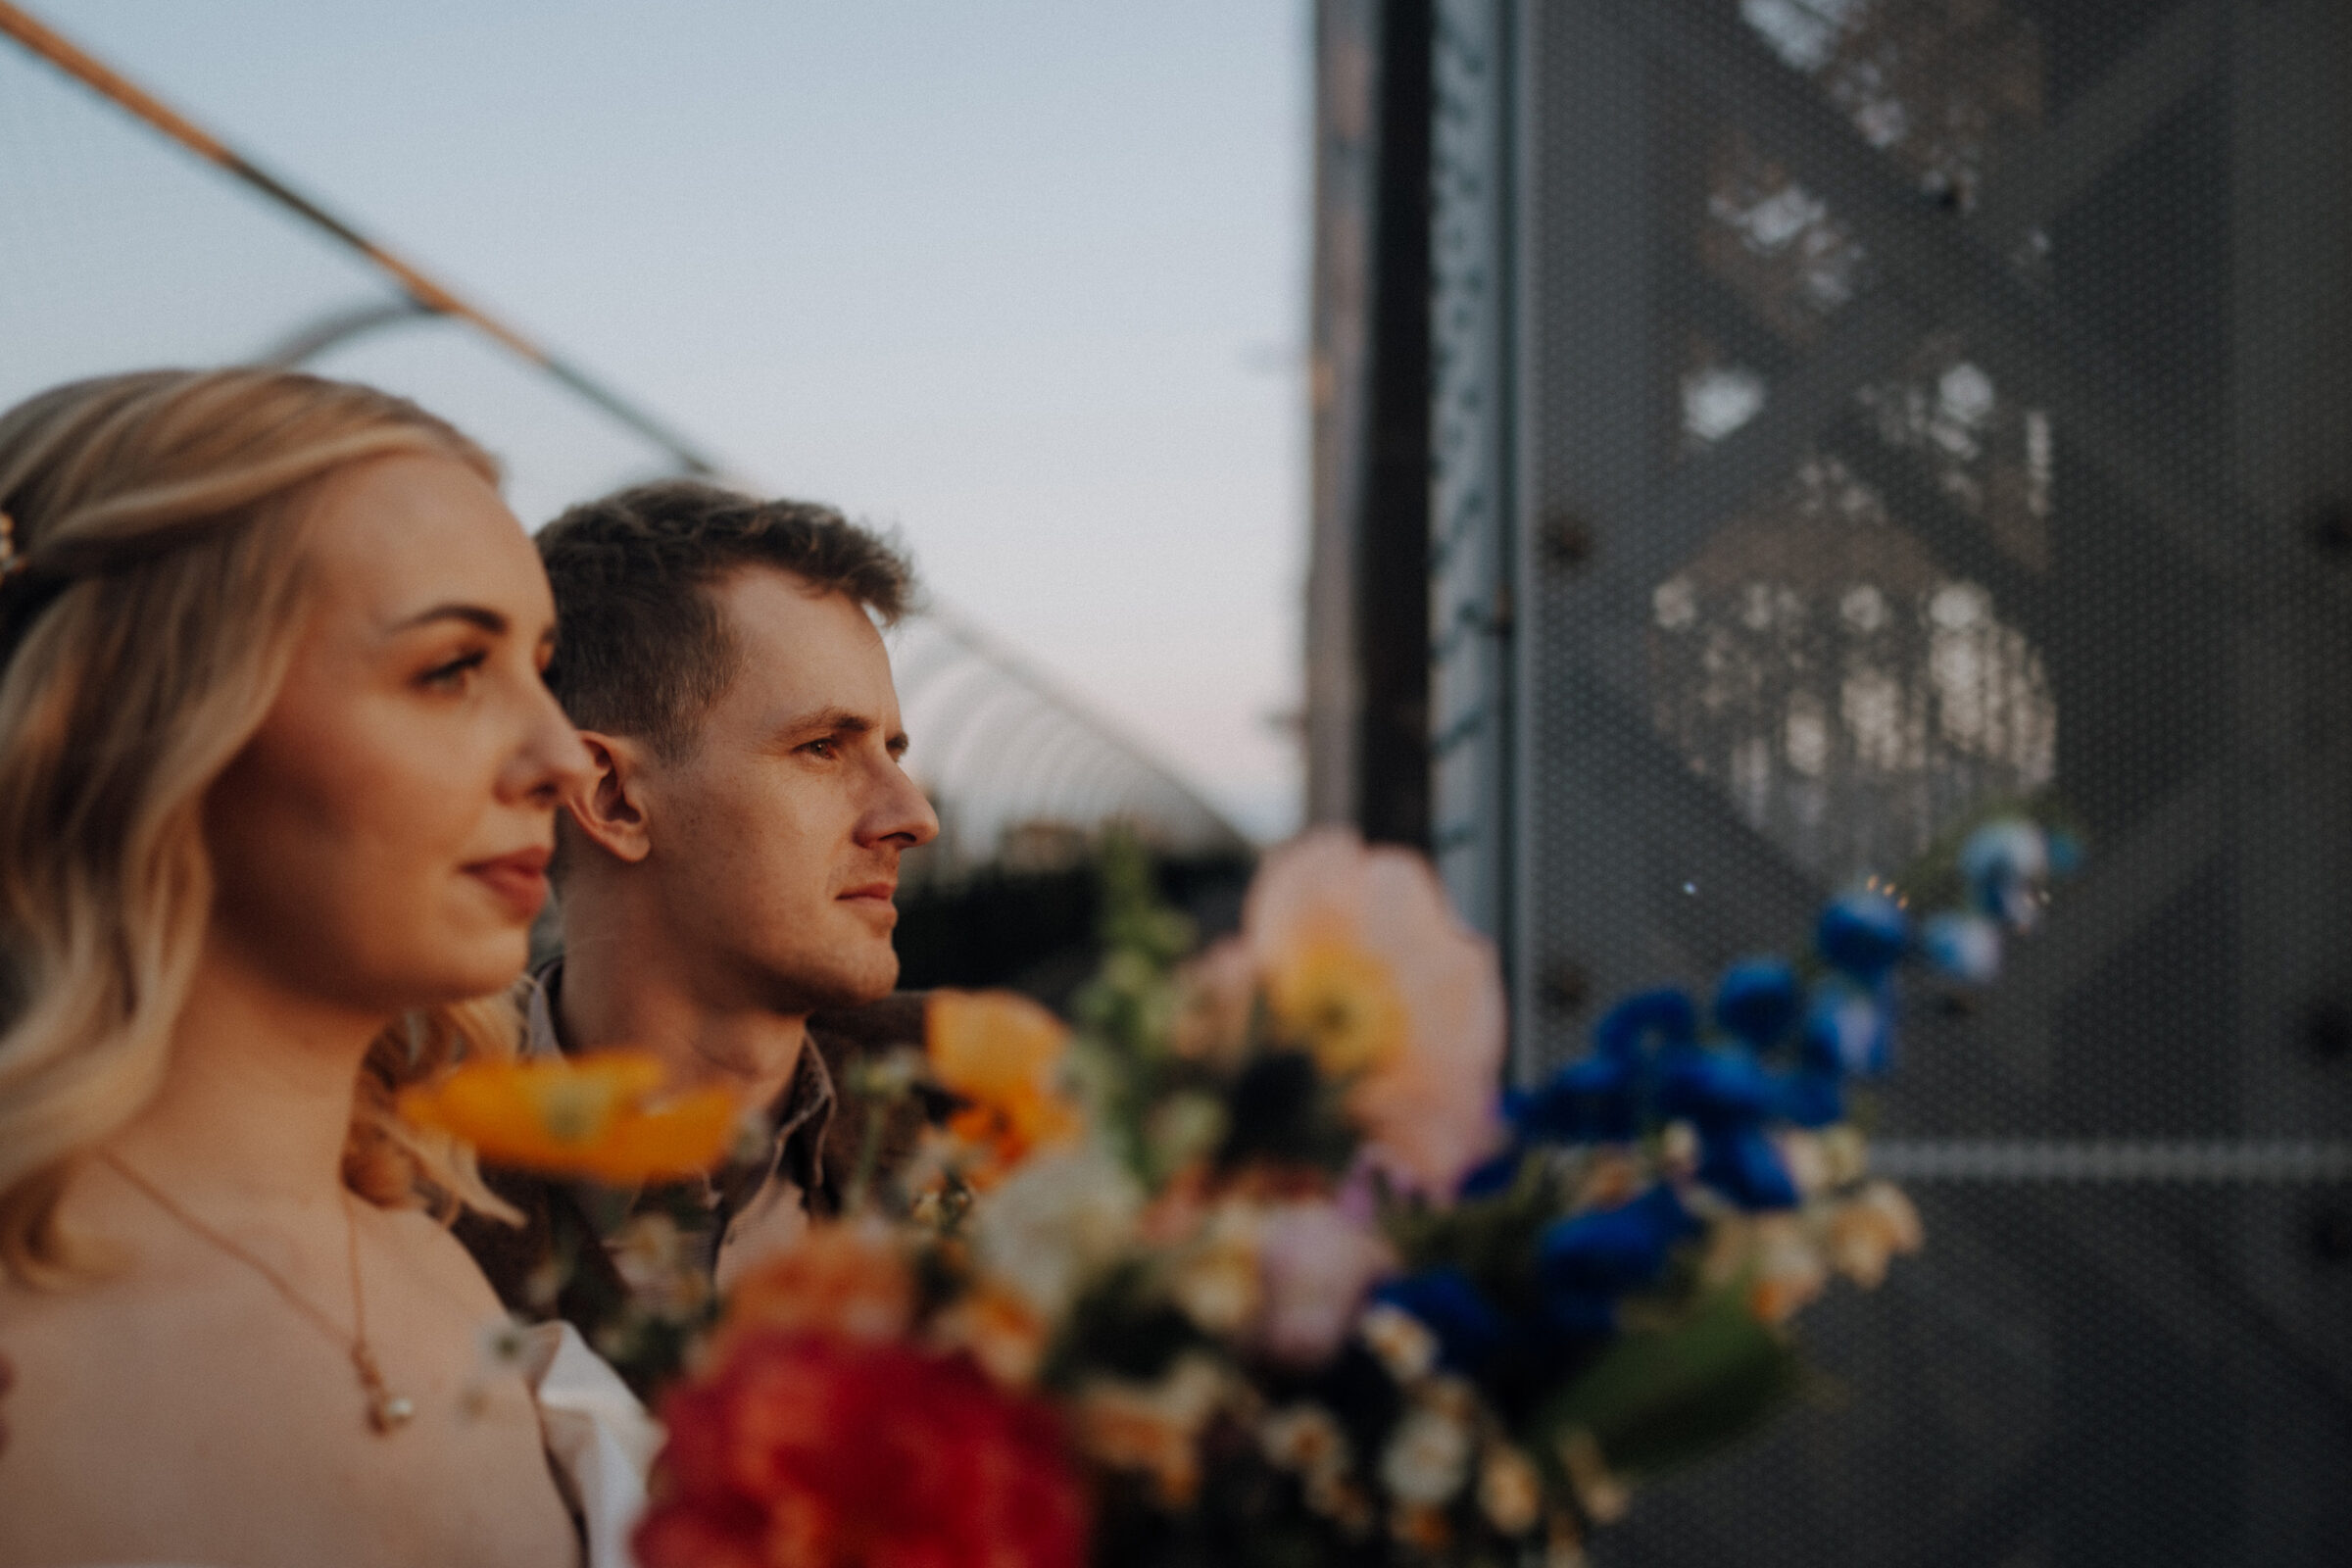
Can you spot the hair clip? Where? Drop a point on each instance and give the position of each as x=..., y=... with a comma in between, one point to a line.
x=11, y=562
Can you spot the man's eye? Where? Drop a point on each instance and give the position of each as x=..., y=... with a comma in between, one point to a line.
x=454, y=675
x=827, y=749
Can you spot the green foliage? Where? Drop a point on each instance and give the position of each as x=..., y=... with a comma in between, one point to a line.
x=1662, y=1397
x=1493, y=1240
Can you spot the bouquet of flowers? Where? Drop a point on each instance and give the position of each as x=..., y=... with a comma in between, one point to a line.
x=1254, y=1262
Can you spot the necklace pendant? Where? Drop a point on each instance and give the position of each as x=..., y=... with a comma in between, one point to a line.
x=388, y=1412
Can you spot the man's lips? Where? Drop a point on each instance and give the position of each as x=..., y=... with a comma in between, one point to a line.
x=875, y=892
x=518, y=880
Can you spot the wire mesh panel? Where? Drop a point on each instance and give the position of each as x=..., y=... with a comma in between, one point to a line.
x=1912, y=406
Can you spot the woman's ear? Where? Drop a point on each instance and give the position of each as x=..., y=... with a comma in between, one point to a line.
x=609, y=806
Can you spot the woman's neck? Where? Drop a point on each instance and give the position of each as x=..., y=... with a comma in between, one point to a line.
x=257, y=1096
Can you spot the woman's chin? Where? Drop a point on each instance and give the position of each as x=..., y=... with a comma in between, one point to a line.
x=483, y=968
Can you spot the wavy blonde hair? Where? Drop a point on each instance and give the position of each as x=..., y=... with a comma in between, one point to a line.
x=161, y=589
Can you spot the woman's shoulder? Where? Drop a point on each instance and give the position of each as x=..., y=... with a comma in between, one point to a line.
x=426, y=1246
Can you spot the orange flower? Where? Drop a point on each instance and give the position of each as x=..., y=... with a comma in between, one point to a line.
x=602, y=1115
x=998, y=1328
x=1001, y=1053
x=845, y=1279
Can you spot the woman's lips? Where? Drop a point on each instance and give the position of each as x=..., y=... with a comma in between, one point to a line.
x=517, y=881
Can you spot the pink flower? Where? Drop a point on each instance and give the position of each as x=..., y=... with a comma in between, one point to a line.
x=1364, y=958
x=1316, y=1263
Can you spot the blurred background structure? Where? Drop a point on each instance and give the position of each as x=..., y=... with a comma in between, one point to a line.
x=135, y=235
x=1839, y=417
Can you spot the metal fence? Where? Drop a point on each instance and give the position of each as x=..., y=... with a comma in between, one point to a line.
x=1847, y=414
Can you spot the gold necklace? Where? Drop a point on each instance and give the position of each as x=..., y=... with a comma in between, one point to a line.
x=387, y=1412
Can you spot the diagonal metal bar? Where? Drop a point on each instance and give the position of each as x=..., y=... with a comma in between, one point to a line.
x=2125, y=886
x=1958, y=541
x=2045, y=174
x=1867, y=341
x=431, y=295
x=1948, y=276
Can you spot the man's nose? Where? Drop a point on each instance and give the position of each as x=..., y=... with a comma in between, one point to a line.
x=900, y=811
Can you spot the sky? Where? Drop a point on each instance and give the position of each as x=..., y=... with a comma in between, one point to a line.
x=1023, y=281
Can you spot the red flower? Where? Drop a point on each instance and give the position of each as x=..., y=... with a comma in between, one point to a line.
x=799, y=1451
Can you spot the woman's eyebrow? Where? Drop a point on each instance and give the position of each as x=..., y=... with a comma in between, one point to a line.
x=489, y=620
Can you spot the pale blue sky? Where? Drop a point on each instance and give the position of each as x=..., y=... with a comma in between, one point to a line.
x=1025, y=280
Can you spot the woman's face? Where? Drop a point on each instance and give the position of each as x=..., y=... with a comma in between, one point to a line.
x=381, y=843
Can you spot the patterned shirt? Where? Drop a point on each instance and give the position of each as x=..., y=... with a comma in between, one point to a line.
x=638, y=1272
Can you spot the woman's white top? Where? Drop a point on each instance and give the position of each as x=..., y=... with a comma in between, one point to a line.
x=598, y=1438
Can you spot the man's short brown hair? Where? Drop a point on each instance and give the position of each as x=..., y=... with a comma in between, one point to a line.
x=642, y=649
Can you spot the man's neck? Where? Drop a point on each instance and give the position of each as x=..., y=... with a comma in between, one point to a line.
x=607, y=1001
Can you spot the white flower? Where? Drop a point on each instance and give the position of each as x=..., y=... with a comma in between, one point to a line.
x=659, y=1263
x=1305, y=1440
x=1509, y=1492
x=1870, y=1228
x=1427, y=1459
x=1399, y=1341
x=1789, y=1269
x=1216, y=1280
x=1054, y=1222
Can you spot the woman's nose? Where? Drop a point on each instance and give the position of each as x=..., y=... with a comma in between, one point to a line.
x=552, y=758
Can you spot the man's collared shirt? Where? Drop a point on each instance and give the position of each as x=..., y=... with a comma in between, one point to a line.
x=753, y=1207
x=637, y=1272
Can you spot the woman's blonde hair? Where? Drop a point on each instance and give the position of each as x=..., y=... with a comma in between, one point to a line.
x=147, y=619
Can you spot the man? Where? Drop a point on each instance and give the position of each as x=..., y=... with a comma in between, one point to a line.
x=724, y=877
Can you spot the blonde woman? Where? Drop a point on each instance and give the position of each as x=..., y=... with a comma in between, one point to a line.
x=277, y=783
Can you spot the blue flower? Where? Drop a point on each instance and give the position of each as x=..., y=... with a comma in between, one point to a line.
x=1717, y=1086
x=1813, y=1097
x=1862, y=934
x=1848, y=1031
x=1963, y=947
x=1496, y=1175
x=2005, y=864
x=1665, y=1014
x=1741, y=1163
x=1584, y=1263
x=1469, y=1329
x=1595, y=1099
x=1757, y=999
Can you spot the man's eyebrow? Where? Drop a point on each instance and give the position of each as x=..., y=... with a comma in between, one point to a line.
x=840, y=722
x=827, y=721
x=487, y=619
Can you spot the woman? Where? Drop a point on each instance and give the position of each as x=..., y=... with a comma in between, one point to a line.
x=277, y=783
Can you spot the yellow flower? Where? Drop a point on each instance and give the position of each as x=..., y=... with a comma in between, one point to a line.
x=1340, y=999
x=1001, y=1053
x=604, y=1115
x=1363, y=961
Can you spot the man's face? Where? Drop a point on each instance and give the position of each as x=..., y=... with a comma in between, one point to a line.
x=776, y=838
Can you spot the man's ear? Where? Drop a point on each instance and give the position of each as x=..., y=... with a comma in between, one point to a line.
x=609, y=806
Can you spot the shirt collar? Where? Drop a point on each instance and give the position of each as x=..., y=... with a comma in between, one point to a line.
x=799, y=1118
